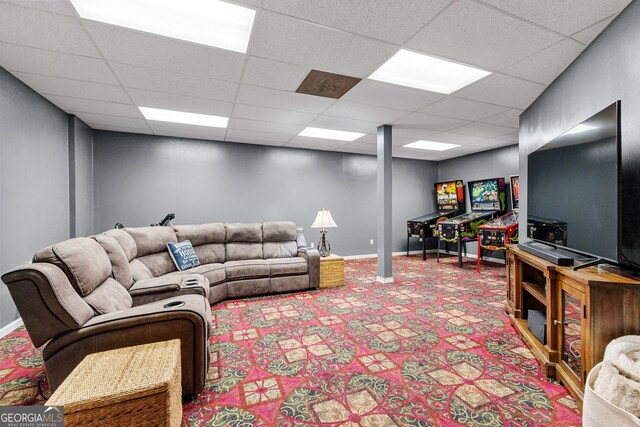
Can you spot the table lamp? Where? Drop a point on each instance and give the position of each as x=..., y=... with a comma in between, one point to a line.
x=324, y=221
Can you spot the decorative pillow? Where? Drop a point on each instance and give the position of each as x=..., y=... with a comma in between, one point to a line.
x=183, y=255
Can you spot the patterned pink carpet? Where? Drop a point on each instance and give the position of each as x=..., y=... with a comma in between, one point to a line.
x=433, y=349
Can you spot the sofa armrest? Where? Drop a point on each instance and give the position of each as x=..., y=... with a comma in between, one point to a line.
x=313, y=259
x=158, y=288
x=185, y=317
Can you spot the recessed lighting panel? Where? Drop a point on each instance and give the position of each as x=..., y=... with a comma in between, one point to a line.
x=425, y=72
x=209, y=22
x=431, y=145
x=158, y=115
x=339, y=135
x=579, y=128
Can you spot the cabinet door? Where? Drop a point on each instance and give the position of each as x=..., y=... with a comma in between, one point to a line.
x=572, y=318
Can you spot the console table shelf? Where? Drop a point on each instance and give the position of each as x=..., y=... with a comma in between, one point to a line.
x=577, y=308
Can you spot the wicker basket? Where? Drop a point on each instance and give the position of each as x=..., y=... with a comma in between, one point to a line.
x=598, y=412
x=133, y=386
x=331, y=271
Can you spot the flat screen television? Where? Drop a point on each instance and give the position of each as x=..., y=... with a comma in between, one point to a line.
x=573, y=183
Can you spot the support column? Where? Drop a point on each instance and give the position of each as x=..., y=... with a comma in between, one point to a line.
x=383, y=204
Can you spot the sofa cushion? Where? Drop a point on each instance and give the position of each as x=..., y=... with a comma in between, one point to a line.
x=183, y=255
x=280, y=249
x=201, y=234
x=139, y=271
x=246, y=233
x=82, y=259
x=109, y=297
x=121, y=270
x=151, y=240
x=215, y=273
x=126, y=242
x=287, y=266
x=210, y=253
x=246, y=269
x=243, y=251
x=279, y=231
x=158, y=264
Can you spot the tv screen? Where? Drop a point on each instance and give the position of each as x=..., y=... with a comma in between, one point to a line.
x=574, y=181
x=449, y=195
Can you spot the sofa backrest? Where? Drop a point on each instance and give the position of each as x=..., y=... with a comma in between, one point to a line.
x=152, y=259
x=243, y=241
x=279, y=239
x=208, y=240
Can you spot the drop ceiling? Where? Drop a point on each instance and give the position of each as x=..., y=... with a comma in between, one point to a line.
x=101, y=73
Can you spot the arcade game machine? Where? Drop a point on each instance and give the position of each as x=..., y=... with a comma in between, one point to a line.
x=488, y=199
x=449, y=202
x=496, y=234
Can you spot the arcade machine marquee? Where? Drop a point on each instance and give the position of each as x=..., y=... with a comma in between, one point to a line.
x=488, y=199
x=496, y=234
x=449, y=202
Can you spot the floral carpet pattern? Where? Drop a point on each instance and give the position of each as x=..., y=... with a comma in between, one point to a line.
x=435, y=348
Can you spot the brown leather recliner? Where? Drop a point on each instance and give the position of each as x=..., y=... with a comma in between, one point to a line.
x=69, y=299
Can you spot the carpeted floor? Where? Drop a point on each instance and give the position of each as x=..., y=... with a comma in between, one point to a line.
x=434, y=348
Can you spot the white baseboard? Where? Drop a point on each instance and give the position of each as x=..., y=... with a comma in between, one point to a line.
x=429, y=251
x=384, y=279
x=11, y=327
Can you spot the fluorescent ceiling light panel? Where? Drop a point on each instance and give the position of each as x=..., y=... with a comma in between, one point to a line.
x=579, y=128
x=209, y=22
x=419, y=71
x=171, y=116
x=430, y=145
x=339, y=135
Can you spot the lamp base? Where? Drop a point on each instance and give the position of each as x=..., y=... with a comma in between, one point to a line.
x=324, y=248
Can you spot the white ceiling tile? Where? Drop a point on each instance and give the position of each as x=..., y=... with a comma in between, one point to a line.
x=379, y=19
x=489, y=144
x=292, y=40
x=38, y=61
x=273, y=74
x=180, y=84
x=339, y=123
x=113, y=121
x=544, y=66
x=73, y=105
x=482, y=130
x=239, y=135
x=367, y=113
x=31, y=27
x=314, y=143
x=97, y=126
x=481, y=36
x=73, y=88
x=61, y=7
x=513, y=136
x=463, y=109
x=428, y=122
x=251, y=3
x=262, y=126
x=187, y=131
x=358, y=148
x=168, y=101
x=456, y=138
x=407, y=153
x=509, y=118
x=587, y=35
x=264, y=97
x=252, y=112
x=136, y=48
x=566, y=17
x=381, y=94
x=501, y=89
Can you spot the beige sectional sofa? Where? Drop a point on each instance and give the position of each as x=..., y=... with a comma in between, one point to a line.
x=121, y=288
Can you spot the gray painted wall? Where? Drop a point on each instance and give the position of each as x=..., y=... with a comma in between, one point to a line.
x=81, y=186
x=34, y=206
x=139, y=178
x=605, y=72
x=501, y=162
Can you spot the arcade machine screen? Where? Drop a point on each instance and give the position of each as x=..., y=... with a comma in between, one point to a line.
x=515, y=192
x=486, y=195
x=449, y=194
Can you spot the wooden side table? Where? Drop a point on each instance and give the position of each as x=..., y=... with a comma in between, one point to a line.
x=331, y=271
x=138, y=385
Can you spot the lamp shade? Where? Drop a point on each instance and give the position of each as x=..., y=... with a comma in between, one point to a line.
x=324, y=220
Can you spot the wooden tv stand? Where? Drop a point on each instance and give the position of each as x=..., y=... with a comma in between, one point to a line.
x=584, y=309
